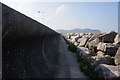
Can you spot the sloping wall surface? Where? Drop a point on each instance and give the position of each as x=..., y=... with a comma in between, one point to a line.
x=29, y=48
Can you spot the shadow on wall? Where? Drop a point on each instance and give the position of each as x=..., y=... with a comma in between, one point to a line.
x=26, y=44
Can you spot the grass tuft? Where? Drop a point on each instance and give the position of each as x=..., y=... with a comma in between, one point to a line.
x=85, y=65
x=72, y=47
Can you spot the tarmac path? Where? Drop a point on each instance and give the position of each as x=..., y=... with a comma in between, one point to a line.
x=67, y=65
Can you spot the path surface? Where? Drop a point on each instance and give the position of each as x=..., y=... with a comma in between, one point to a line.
x=69, y=67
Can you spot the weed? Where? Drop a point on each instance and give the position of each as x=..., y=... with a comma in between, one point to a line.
x=85, y=65
x=72, y=47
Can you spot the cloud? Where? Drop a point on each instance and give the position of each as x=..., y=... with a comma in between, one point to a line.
x=61, y=9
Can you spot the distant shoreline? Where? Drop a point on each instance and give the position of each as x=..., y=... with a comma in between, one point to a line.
x=78, y=30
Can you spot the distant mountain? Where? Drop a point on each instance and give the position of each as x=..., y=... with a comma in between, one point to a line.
x=77, y=30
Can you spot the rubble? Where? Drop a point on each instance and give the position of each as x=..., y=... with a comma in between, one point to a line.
x=101, y=49
x=117, y=57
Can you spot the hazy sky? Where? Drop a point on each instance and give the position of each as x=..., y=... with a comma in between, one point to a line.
x=70, y=15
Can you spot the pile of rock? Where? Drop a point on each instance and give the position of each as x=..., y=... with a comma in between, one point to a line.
x=100, y=49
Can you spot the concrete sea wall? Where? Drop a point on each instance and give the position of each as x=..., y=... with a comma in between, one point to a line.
x=29, y=48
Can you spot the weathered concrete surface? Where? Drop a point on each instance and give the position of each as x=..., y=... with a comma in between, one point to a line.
x=68, y=65
x=29, y=49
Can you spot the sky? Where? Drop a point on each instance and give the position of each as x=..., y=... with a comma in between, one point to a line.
x=70, y=15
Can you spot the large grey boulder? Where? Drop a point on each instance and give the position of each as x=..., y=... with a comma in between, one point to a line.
x=101, y=46
x=82, y=34
x=72, y=34
x=107, y=60
x=107, y=71
x=86, y=52
x=92, y=45
x=67, y=36
x=90, y=34
x=100, y=53
x=72, y=40
x=109, y=48
x=86, y=36
x=97, y=34
x=79, y=40
x=104, y=59
x=91, y=59
x=76, y=43
x=117, y=39
x=75, y=38
x=83, y=42
x=89, y=40
x=108, y=37
x=117, y=57
x=76, y=34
